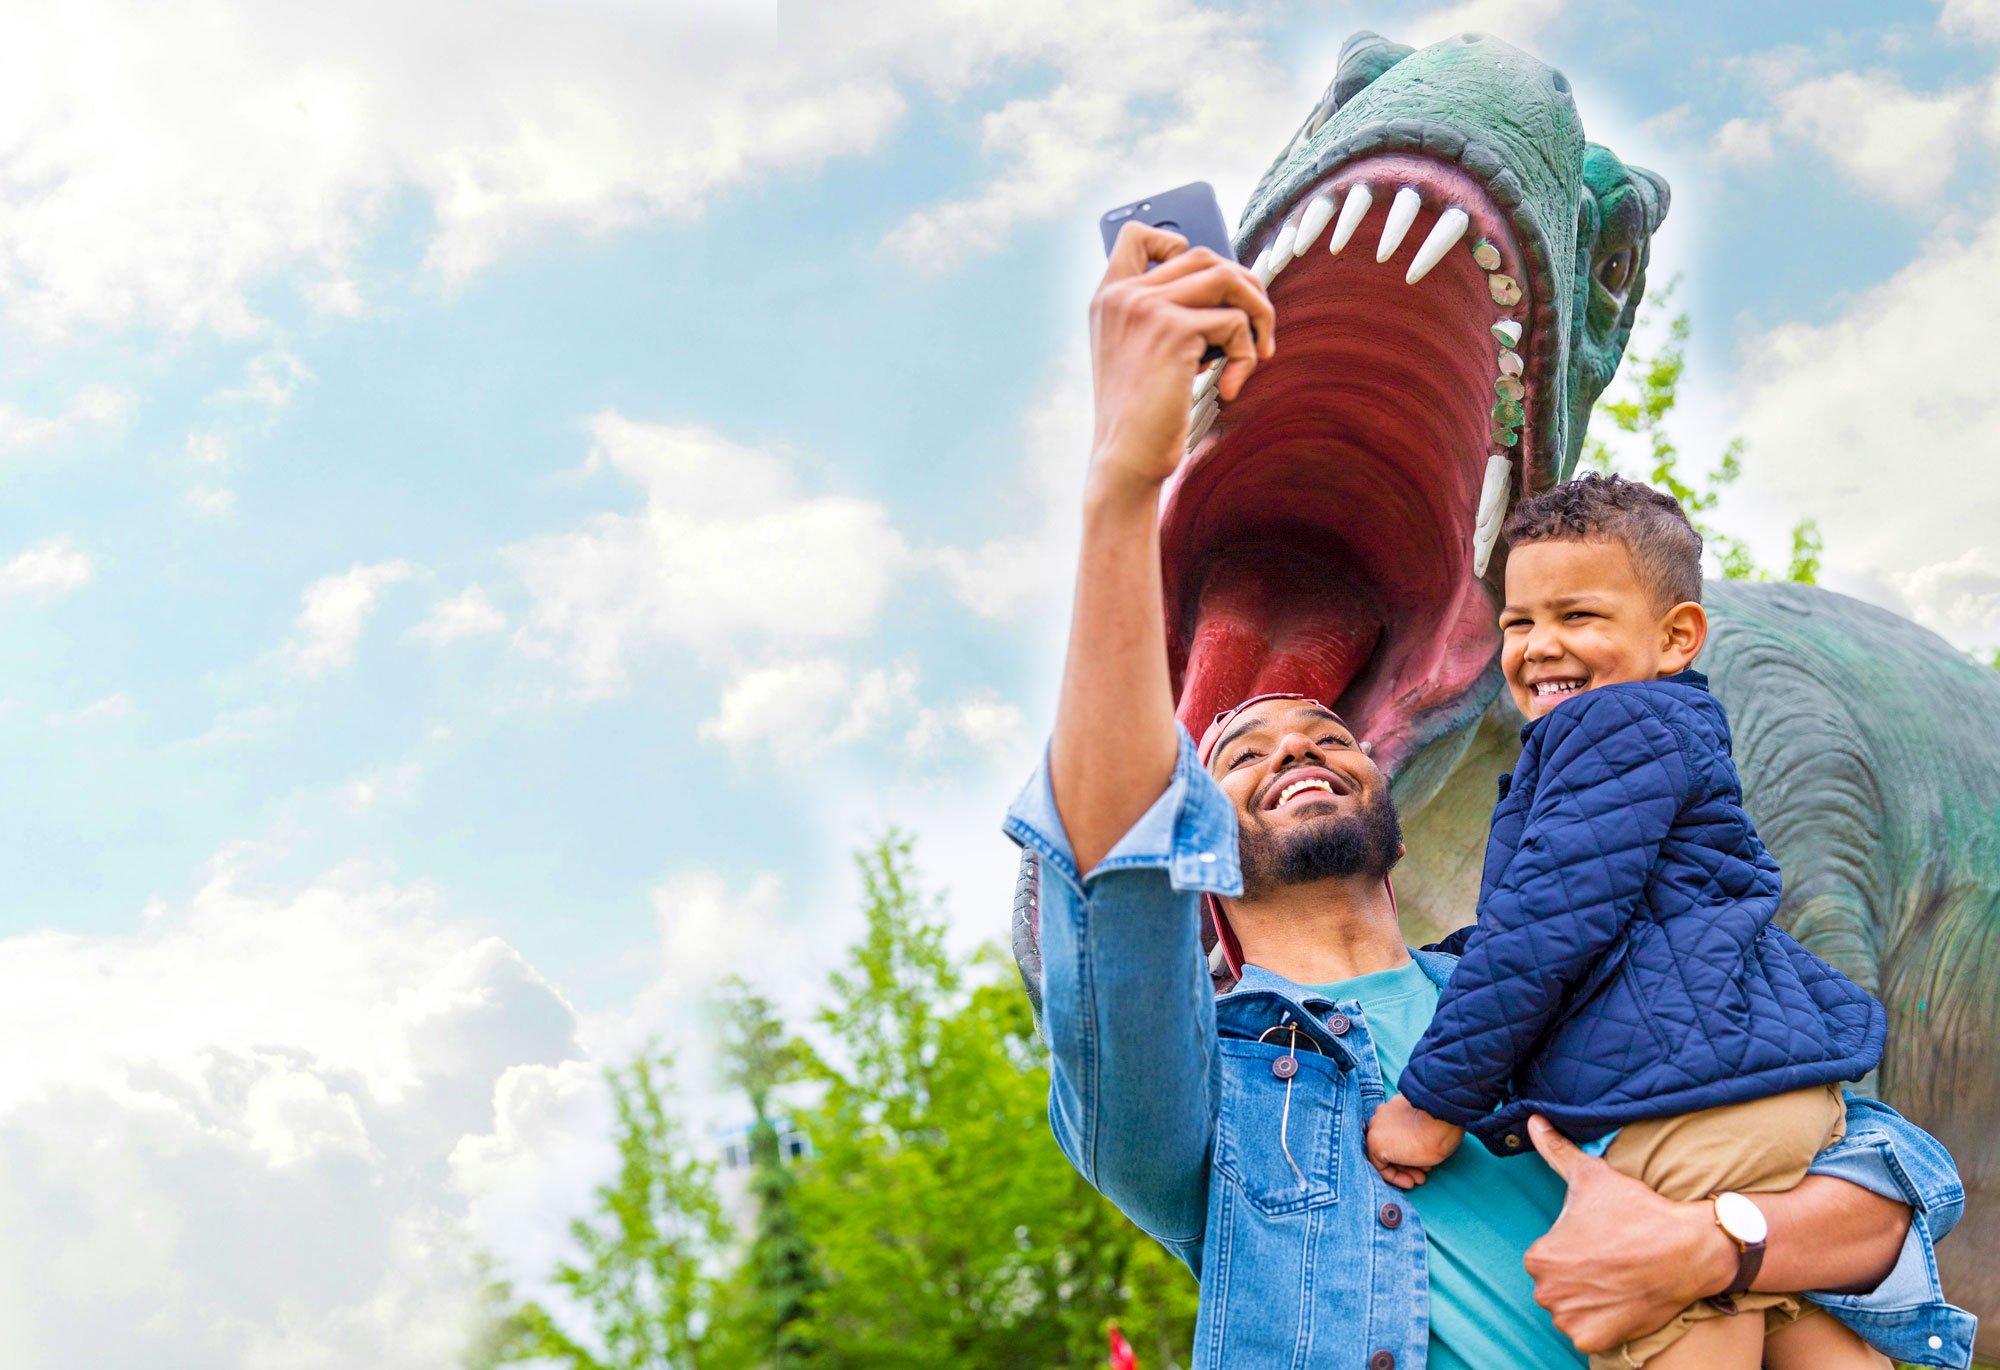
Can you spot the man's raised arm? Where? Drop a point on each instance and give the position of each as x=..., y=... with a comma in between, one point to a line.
x=1114, y=746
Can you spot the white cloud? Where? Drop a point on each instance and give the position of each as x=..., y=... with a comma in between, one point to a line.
x=161, y=163
x=1978, y=18
x=206, y=447
x=266, y=1088
x=106, y=710
x=93, y=406
x=1144, y=93
x=1892, y=142
x=396, y=785
x=1516, y=21
x=1014, y=574
x=333, y=610
x=1888, y=406
x=470, y=613
x=727, y=551
x=1957, y=599
x=809, y=705
x=46, y=571
x=211, y=501
x=1744, y=142
x=981, y=720
x=269, y=382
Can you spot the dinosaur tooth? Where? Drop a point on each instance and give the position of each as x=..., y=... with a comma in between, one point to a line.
x=1506, y=290
x=1402, y=213
x=1204, y=385
x=1281, y=250
x=1486, y=255
x=1507, y=413
x=1509, y=387
x=1259, y=267
x=1508, y=331
x=1352, y=211
x=1510, y=363
x=1493, y=494
x=1314, y=221
x=1202, y=420
x=1449, y=228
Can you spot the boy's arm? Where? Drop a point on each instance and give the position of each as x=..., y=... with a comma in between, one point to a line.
x=1562, y=903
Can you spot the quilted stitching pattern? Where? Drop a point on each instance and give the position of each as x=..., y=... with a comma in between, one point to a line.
x=1624, y=964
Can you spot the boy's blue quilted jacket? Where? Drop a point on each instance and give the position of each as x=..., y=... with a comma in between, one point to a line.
x=1624, y=964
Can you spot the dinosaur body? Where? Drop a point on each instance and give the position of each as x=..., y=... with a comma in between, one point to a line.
x=1419, y=389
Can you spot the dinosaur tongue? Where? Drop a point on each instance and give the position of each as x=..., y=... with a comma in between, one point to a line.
x=1320, y=539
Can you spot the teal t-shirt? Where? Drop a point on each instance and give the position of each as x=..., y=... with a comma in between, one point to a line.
x=1480, y=1213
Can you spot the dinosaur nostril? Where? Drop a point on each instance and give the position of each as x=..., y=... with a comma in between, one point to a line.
x=1470, y=38
x=1560, y=82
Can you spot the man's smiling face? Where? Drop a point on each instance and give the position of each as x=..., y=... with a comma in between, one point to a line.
x=1309, y=802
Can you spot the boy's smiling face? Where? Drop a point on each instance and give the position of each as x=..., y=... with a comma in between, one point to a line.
x=1579, y=616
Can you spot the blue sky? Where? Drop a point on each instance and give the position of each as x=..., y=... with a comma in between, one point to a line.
x=497, y=509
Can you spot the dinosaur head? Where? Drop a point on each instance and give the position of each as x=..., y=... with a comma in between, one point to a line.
x=1455, y=272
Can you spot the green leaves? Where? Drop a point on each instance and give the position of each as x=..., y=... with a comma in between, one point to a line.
x=932, y=1222
x=1643, y=413
x=641, y=1278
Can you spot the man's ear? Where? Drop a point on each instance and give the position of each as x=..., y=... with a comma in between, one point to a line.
x=1683, y=633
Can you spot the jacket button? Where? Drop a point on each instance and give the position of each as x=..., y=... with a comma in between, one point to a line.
x=1512, y=1139
x=1391, y=1216
x=1382, y=1360
x=1285, y=1067
x=1338, y=1025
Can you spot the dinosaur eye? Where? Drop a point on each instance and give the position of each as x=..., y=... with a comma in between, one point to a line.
x=1614, y=273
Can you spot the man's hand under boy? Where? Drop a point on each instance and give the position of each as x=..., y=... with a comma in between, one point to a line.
x=1404, y=1142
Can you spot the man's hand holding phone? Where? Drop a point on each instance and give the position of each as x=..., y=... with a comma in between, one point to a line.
x=1159, y=307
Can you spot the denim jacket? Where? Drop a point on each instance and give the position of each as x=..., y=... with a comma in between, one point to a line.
x=1165, y=1099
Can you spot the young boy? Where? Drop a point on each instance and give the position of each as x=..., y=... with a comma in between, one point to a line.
x=1625, y=979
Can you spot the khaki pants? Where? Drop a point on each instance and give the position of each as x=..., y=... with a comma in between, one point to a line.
x=1755, y=1147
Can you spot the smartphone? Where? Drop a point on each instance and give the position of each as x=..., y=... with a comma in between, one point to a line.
x=1190, y=210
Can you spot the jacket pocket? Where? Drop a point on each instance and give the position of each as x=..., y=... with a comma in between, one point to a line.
x=1606, y=1024
x=1283, y=1160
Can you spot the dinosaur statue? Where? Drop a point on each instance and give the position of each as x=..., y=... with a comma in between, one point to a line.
x=1457, y=271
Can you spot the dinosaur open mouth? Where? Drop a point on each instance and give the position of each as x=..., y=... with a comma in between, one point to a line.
x=1330, y=532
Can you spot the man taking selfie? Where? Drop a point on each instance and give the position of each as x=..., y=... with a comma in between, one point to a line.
x=1232, y=1127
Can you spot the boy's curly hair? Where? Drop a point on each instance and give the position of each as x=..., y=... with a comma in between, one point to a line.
x=1654, y=529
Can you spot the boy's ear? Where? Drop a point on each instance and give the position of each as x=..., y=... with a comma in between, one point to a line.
x=1683, y=633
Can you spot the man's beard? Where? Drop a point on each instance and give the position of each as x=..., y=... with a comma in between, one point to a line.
x=1361, y=843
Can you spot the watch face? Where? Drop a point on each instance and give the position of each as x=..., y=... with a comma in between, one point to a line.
x=1740, y=1218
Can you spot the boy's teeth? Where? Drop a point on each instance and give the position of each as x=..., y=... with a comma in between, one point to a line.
x=1557, y=687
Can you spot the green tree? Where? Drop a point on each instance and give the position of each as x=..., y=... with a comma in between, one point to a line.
x=766, y=1315
x=642, y=1284
x=1652, y=390
x=949, y=1227
x=934, y=1222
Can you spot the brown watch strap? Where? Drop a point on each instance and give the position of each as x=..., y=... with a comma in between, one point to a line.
x=1749, y=1260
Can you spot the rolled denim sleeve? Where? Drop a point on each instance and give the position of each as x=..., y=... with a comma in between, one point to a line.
x=1129, y=1008
x=1906, y=1315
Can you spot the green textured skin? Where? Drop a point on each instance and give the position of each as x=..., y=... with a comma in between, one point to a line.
x=1869, y=748
x=1511, y=121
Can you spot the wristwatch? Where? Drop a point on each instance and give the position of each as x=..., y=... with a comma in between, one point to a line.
x=1743, y=1223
